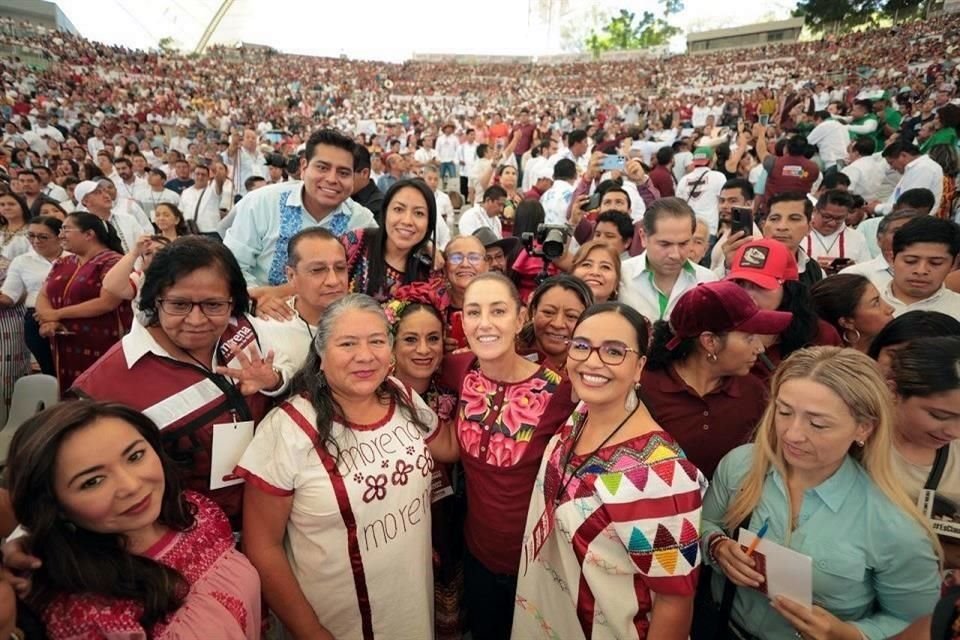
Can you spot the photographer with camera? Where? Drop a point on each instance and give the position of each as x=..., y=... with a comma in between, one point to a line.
x=545, y=249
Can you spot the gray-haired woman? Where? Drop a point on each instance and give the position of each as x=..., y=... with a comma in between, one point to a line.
x=345, y=464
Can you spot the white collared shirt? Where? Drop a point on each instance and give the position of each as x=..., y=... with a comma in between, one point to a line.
x=201, y=205
x=476, y=217
x=876, y=271
x=866, y=176
x=149, y=199
x=447, y=148
x=556, y=202
x=54, y=191
x=293, y=336
x=637, y=288
x=139, y=342
x=25, y=277
x=944, y=301
x=252, y=237
x=844, y=243
x=832, y=139
x=920, y=173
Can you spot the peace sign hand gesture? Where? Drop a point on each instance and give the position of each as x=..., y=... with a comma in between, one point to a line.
x=255, y=373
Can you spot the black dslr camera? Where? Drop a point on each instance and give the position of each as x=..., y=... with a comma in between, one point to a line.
x=552, y=240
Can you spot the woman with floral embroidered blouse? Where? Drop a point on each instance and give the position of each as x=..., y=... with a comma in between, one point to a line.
x=400, y=251
x=416, y=321
x=611, y=544
x=502, y=398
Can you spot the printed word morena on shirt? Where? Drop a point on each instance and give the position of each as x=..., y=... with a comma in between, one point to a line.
x=378, y=447
x=396, y=522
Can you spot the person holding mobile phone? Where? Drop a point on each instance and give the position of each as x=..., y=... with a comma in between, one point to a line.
x=831, y=242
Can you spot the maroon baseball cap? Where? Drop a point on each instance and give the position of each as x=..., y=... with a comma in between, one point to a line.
x=720, y=307
x=766, y=263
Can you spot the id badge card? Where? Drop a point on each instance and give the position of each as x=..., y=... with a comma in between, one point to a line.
x=230, y=440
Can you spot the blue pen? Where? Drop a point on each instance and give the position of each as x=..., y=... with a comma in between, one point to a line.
x=756, y=541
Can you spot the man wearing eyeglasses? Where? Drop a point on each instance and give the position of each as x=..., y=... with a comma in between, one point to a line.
x=831, y=242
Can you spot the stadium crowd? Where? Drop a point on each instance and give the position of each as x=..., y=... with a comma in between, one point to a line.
x=596, y=349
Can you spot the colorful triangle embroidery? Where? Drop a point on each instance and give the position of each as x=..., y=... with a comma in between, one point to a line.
x=643, y=561
x=638, y=477
x=688, y=468
x=639, y=542
x=667, y=559
x=661, y=452
x=664, y=539
x=690, y=553
x=611, y=481
x=688, y=533
x=665, y=471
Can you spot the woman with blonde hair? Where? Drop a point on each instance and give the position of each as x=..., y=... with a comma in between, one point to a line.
x=819, y=477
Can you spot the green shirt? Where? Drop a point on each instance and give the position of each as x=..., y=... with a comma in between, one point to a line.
x=873, y=566
x=947, y=135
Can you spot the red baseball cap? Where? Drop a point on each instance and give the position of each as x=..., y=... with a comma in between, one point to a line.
x=766, y=263
x=721, y=307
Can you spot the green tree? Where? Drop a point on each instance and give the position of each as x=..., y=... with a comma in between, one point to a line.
x=624, y=31
x=167, y=44
x=837, y=15
x=902, y=9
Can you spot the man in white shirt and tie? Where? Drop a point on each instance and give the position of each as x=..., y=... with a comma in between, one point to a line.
x=918, y=171
x=200, y=203
x=830, y=240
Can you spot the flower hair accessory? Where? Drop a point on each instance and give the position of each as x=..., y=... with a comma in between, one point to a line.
x=433, y=293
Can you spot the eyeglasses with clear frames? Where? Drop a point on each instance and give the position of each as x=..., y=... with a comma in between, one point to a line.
x=473, y=258
x=209, y=308
x=611, y=352
x=39, y=236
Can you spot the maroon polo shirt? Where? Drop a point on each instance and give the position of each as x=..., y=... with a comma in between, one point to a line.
x=662, y=179
x=709, y=427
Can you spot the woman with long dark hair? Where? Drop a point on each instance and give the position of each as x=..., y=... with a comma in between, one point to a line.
x=853, y=306
x=926, y=437
x=124, y=550
x=82, y=320
x=768, y=272
x=593, y=504
x=168, y=219
x=338, y=489
x=400, y=250
x=14, y=218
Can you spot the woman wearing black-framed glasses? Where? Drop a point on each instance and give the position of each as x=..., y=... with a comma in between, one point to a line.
x=615, y=513
x=194, y=361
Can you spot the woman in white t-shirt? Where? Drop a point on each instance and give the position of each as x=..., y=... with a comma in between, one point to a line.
x=926, y=378
x=338, y=489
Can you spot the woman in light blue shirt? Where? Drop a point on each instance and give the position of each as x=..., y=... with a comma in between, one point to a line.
x=820, y=474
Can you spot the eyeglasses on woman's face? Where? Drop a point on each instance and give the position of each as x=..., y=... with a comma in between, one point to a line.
x=209, y=308
x=611, y=352
x=476, y=259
